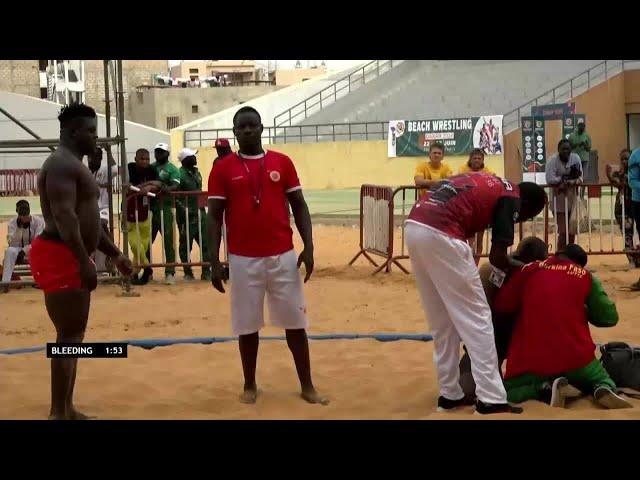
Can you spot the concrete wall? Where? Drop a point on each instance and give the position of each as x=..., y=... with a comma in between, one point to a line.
x=152, y=106
x=605, y=106
x=20, y=76
x=296, y=75
x=336, y=165
x=268, y=105
x=632, y=91
x=134, y=73
x=182, y=69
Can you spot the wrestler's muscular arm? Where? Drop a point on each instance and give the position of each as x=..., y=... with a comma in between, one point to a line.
x=61, y=186
x=106, y=246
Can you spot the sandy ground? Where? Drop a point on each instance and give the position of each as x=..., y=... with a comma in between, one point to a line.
x=365, y=379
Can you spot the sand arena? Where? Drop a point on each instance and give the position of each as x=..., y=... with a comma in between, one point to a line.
x=364, y=379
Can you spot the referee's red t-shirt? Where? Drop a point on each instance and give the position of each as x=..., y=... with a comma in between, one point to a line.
x=256, y=212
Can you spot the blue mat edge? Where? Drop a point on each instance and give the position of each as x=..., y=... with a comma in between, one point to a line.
x=163, y=342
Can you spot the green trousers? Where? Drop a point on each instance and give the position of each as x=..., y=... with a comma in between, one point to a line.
x=587, y=379
x=169, y=251
x=194, y=235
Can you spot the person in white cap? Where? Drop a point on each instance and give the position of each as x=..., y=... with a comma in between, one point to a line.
x=161, y=207
x=191, y=181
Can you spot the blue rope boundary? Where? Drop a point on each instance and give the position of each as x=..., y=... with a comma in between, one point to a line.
x=150, y=343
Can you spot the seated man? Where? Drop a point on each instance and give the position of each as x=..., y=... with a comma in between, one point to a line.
x=22, y=230
x=529, y=250
x=551, y=350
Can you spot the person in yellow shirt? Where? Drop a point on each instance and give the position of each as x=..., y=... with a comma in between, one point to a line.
x=475, y=163
x=431, y=172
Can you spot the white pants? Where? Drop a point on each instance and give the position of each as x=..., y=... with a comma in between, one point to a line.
x=10, y=258
x=279, y=278
x=457, y=309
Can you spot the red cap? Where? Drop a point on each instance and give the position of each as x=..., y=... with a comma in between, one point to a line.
x=222, y=142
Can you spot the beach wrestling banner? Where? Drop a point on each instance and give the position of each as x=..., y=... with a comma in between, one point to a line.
x=411, y=138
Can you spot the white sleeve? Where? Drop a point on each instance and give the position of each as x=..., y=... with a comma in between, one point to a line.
x=11, y=230
x=39, y=225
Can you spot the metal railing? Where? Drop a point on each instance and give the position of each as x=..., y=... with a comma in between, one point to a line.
x=180, y=236
x=326, y=132
x=596, y=224
x=18, y=182
x=333, y=92
x=569, y=89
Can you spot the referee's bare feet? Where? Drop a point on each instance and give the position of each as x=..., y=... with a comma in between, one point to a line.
x=249, y=395
x=312, y=396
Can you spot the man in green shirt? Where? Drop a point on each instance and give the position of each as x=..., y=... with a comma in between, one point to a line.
x=581, y=144
x=191, y=181
x=161, y=207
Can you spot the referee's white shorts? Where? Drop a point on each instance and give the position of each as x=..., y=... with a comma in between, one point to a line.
x=279, y=278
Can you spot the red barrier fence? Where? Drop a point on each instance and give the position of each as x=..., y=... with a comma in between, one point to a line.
x=24, y=182
x=15, y=183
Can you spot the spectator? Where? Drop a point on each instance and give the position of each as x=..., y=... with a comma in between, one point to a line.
x=618, y=176
x=563, y=173
x=634, y=184
x=581, y=144
x=429, y=173
x=222, y=148
x=161, y=207
x=476, y=164
x=190, y=181
x=101, y=174
x=22, y=230
x=551, y=350
x=145, y=178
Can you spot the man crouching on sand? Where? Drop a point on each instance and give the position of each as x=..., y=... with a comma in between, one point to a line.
x=551, y=351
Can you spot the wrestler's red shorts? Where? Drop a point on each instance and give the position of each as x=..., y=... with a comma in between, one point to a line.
x=53, y=266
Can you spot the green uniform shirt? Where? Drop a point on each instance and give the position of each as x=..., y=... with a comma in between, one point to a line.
x=580, y=144
x=167, y=174
x=190, y=181
x=601, y=310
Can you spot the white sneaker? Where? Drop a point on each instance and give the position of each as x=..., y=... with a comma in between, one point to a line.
x=607, y=398
x=561, y=390
x=170, y=279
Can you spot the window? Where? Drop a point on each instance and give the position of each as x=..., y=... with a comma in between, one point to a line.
x=42, y=65
x=193, y=70
x=194, y=108
x=172, y=122
x=43, y=93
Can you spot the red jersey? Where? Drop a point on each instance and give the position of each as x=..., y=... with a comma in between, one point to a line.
x=465, y=204
x=256, y=212
x=551, y=335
